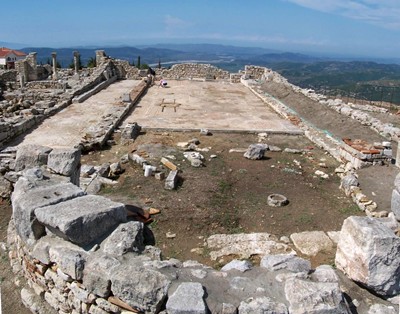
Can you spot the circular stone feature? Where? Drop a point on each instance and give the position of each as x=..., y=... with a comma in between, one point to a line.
x=277, y=200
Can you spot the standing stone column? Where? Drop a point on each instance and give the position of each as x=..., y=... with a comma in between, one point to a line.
x=76, y=61
x=54, y=60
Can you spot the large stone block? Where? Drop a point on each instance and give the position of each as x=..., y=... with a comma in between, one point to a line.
x=143, y=289
x=314, y=297
x=188, y=298
x=289, y=262
x=369, y=253
x=97, y=274
x=82, y=220
x=29, y=156
x=26, y=200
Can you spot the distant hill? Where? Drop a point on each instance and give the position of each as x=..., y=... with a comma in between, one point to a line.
x=366, y=79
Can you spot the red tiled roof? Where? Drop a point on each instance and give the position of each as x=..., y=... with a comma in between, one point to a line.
x=5, y=51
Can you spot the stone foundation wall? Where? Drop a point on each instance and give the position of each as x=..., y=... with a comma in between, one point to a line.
x=195, y=71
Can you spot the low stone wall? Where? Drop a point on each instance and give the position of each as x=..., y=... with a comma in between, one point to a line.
x=95, y=260
x=98, y=135
x=195, y=71
x=24, y=109
x=8, y=76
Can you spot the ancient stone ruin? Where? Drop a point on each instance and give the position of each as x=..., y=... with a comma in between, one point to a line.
x=82, y=253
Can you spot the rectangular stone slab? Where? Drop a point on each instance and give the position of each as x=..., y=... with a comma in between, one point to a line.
x=82, y=220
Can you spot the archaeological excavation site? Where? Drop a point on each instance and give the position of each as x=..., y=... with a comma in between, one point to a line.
x=216, y=192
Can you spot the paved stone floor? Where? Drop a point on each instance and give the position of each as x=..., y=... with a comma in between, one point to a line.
x=217, y=106
x=66, y=128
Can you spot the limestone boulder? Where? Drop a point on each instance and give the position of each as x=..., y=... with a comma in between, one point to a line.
x=382, y=309
x=143, y=289
x=127, y=237
x=66, y=162
x=28, y=196
x=311, y=242
x=256, y=151
x=29, y=156
x=369, y=253
x=82, y=220
x=187, y=298
x=305, y=296
x=96, y=274
x=262, y=305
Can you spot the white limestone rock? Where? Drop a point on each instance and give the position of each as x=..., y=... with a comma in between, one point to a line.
x=289, y=262
x=314, y=297
x=127, y=237
x=311, y=243
x=241, y=266
x=187, y=298
x=261, y=306
x=256, y=151
x=369, y=253
x=245, y=245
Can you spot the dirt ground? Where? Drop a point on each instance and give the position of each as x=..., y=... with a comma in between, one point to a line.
x=376, y=182
x=229, y=194
x=10, y=293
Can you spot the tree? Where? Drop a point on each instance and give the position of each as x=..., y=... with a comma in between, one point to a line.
x=159, y=63
x=138, y=62
x=91, y=63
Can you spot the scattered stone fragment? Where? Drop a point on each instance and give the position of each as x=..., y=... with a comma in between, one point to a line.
x=195, y=158
x=172, y=180
x=29, y=156
x=205, y=132
x=321, y=174
x=115, y=169
x=285, y=261
x=159, y=176
x=293, y=151
x=241, y=266
x=256, y=151
x=170, y=235
x=168, y=164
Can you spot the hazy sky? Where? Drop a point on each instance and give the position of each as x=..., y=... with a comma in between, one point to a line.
x=357, y=27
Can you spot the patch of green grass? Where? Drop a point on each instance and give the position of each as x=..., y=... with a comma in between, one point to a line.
x=350, y=210
x=305, y=218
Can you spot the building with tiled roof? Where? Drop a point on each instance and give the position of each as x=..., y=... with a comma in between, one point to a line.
x=9, y=56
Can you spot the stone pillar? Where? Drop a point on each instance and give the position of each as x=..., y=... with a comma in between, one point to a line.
x=76, y=61
x=398, y=155
x=100, y=56
x=54, y=60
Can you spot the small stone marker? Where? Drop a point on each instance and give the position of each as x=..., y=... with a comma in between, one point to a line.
x=172, y=179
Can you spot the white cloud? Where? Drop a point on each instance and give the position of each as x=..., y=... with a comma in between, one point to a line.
x=384, y=13
x=173, y=23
